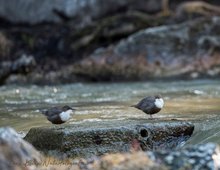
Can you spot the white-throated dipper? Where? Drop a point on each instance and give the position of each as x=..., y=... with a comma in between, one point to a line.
x=150, y=105
x=58, y=115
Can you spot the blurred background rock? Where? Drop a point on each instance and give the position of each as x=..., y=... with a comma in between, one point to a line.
x=99, y=40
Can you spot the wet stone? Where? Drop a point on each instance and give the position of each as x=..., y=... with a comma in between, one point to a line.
x=169, y=159
x=15, y=153
x=88, y=139
x=190, y=157
x=192, y=161
x=153, y=160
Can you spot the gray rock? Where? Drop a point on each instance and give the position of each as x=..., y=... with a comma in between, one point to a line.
x=125, y=161
x=201, y=156
x=189, y=49
x=14, y=151
x=22, y=65
x=81, y=11
x=94, y=138
x=191, y=157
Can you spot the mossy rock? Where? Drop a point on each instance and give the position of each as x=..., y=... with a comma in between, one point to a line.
x=97, y=138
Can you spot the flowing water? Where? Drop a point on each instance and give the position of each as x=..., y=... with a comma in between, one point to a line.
x=196, y=101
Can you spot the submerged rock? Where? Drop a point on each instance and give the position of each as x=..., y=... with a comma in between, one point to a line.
x=94, y=138
x=14, y=151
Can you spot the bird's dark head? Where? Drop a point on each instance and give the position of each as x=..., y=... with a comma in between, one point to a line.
x=65, y=108
x=158, y=96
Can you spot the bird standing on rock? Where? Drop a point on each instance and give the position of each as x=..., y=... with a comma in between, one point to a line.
x=150, y=105
x=58, y=115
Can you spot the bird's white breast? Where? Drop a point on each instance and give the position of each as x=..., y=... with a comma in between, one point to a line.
x=64, y=116
x=159, y=103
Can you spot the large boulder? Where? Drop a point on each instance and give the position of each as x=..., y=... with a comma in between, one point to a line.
x=66, y=52
x=190, y=49
x=15, y=153
x=93, y=138
x=187, y=50
x=200, y=156
x=80, y=11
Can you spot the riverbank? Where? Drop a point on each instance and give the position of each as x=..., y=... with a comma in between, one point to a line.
x=19, y=154
x=129, y=42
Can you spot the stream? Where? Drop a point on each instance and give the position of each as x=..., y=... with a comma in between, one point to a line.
x=197, y=101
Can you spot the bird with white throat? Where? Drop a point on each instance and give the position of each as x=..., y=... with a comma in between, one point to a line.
x=58, y=115
x=150, y=105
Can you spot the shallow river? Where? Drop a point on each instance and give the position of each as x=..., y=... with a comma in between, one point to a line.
x=197, y=101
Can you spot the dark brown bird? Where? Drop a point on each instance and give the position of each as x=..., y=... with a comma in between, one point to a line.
x=58, y=115
x=150, y=105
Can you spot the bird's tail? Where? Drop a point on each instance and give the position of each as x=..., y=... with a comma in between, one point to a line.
x=133, y=105
x=44, y=112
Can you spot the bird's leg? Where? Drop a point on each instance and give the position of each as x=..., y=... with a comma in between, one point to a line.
x=151, y=117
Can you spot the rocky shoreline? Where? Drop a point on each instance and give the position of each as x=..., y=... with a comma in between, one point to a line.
x=125, y=146
x=125, y=43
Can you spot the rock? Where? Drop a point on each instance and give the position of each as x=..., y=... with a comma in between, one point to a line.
x=14, y=151
x=201, y=156
x=94, y=138
x=4, y=71
x=65, y=54
x=81, y=11
x=128, y=161
x=55, y=47
x=205, y=156
x=5, y=45
x=114, y=27
x=191, y=9
x=22, y=65
x=160, y=52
